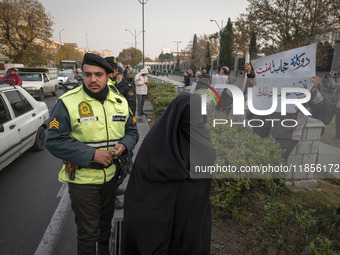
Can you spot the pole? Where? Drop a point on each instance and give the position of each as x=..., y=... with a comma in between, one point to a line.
x=220, y=28
x=143, y=2
x=135, y=36
x=143, y=35
x=177, y=54
x=60, y=35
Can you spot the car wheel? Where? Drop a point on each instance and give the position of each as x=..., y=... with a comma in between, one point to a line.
x=41, y=95
x=39, y=143
x=55, y=92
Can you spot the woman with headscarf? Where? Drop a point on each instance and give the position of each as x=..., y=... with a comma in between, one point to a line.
x=166, y=211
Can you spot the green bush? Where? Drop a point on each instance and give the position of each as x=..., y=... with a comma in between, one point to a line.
x=239, y=147
x=160, y=104
x=161, y=95
x=302, y=227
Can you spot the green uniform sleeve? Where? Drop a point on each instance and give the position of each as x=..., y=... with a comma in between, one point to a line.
x=60, y=144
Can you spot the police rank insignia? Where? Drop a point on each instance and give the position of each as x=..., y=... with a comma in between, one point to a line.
x=54, y=125
x=86, y=113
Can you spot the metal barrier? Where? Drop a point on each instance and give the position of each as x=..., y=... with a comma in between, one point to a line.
x=116, y=244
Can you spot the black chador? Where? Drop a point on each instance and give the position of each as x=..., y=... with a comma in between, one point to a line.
x=166, y=211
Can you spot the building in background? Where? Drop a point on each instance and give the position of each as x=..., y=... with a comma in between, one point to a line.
x=106, y=53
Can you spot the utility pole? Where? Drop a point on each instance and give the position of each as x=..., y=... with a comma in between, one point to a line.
x=143, y=2
x=135, y=36
x=60, y=36
x=178, y=66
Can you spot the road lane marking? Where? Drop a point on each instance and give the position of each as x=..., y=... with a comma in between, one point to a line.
x=53, y=230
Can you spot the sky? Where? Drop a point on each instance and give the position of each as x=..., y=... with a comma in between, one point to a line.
x=105, y=22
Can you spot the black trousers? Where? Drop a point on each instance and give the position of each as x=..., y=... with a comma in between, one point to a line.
x=93, y=206
x=141, y=101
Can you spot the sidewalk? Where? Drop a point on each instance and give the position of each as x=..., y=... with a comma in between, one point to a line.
x=143, y=129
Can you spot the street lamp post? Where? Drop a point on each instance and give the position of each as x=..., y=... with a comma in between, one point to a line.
x=177, y=54
x=135, y=36
x=143, y=2
x=220, y=29
x=60, y=35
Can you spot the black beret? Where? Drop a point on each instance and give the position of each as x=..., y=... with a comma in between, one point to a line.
x=112, y=61
x=120, y=70
x=95, y=60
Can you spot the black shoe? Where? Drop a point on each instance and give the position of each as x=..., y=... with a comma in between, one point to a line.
x=120, y=192
x=118, y=204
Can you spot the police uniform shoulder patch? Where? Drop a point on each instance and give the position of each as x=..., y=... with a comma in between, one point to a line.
x=85, y=110
x=130, y=93
x=54, y=125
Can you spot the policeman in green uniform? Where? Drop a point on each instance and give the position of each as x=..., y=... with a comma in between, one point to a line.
x=89, y=127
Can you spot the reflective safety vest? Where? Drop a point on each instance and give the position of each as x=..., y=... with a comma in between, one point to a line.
x=112, y=85
x=97, y=125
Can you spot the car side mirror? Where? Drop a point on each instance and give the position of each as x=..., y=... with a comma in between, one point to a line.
x=2, y=129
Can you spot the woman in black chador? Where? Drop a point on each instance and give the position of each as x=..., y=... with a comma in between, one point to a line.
x=166, y=211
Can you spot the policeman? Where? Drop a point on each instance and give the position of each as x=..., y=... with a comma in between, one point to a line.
x=89, y=127
x=118, y=83
x=126, y=89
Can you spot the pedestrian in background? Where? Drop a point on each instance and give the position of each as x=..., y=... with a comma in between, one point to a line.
x=205, y=76
x=141, y=82
x=89, y=127
x=190, y=78
x=128, y=74
x=223, y=77
x=13, y=77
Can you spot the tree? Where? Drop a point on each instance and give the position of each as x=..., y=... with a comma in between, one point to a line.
x=253, y=50
x=194, y=62
x=67, y=52
x=226, y=46
x=242, y=34
x=36, y=55
x=147, y=59
x=23, y=24
x=324, y=56
x=165, y=57
x=130, y=56
x=208, y=57
x=286, y=24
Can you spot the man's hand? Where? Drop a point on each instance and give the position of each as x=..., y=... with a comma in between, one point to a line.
x=103, y=157
x=247, y=68
x=316, y=81
x=118, y=149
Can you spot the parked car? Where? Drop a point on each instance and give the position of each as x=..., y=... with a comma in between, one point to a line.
x=64, y=75
x=39, y=81
x=23, y=122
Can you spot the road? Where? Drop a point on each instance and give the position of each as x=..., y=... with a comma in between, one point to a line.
x=28, y=201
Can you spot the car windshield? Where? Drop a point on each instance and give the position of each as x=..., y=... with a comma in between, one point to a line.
x=64, y=74
x=30, y=76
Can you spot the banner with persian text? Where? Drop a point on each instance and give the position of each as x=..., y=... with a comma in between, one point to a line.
x=292, y=68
